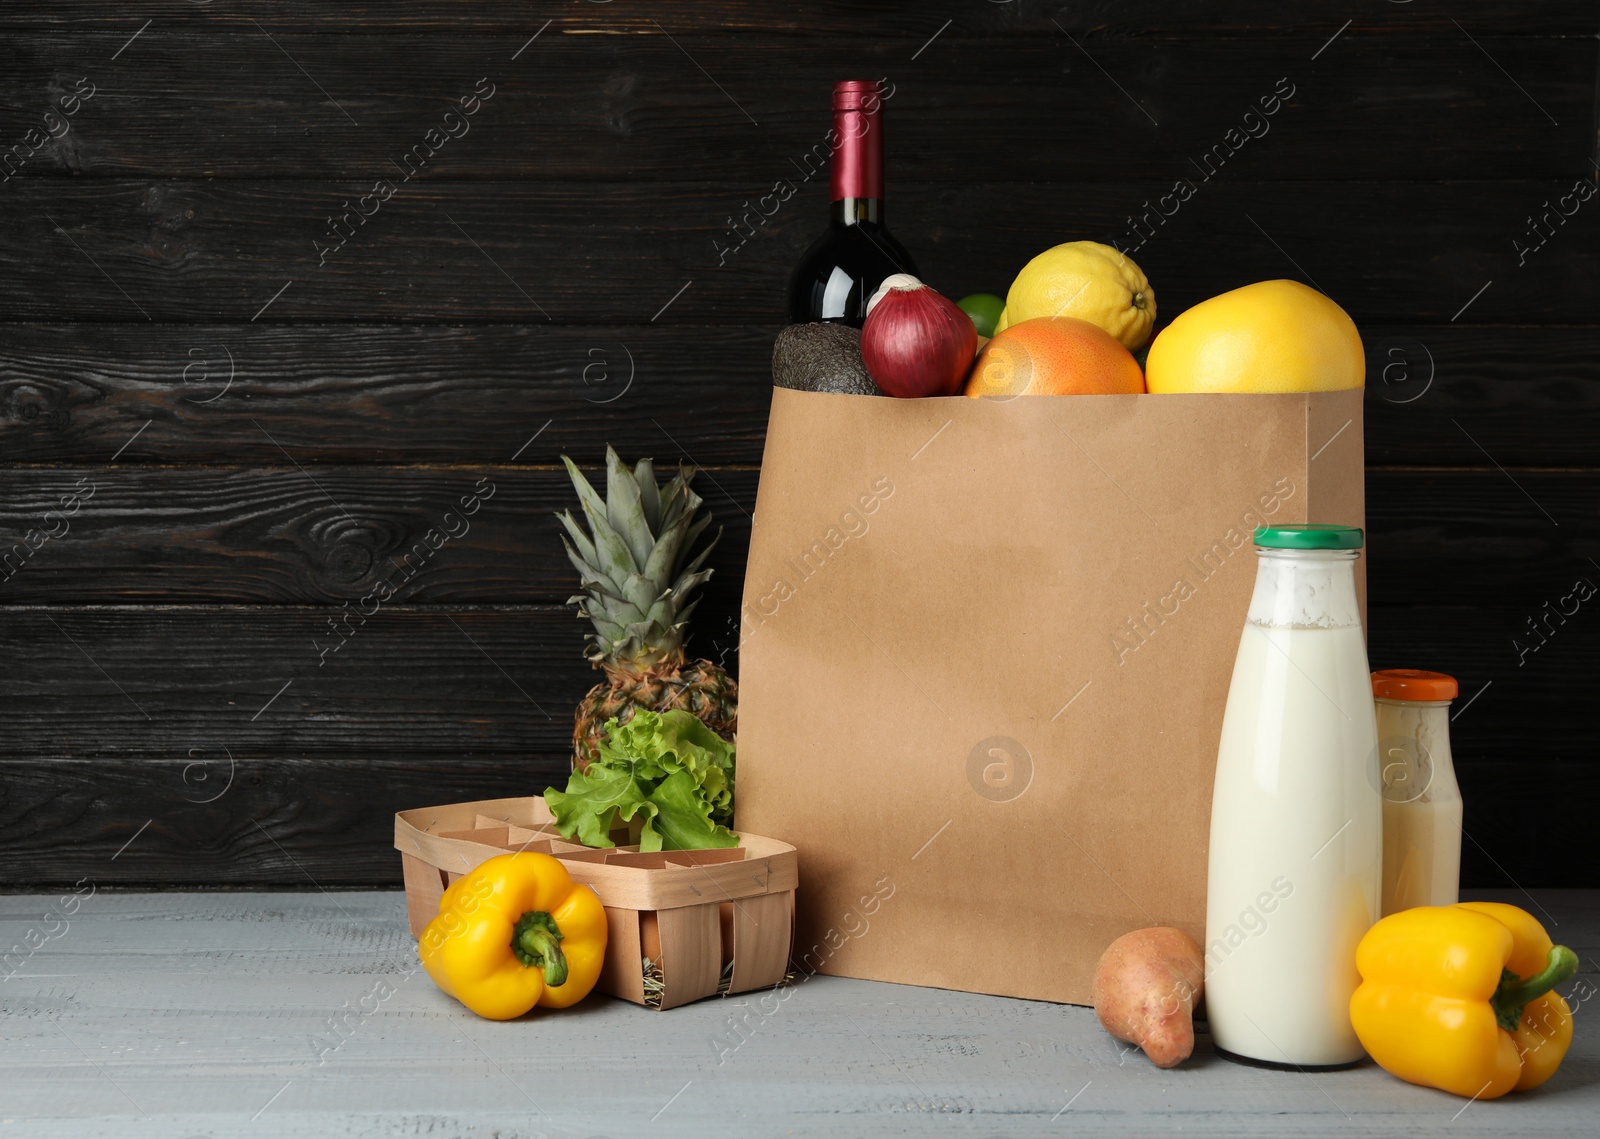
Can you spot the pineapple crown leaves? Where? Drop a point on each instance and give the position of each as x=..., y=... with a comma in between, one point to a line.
x=637, y=586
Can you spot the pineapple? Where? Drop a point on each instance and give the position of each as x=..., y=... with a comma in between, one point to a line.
x=638, y=589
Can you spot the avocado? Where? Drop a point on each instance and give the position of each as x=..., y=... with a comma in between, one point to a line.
x=821, y=357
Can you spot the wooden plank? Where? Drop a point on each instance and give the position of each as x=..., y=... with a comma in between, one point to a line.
x=1228, y=17
x=248, y=682
x=1532, y=704
x=390, y=394
x=339, y=534
x=1478, y=537
x=245, y=728
x=808, y=17
x=604, y=108
x=840, y=18
x=463, y=535
x=301, y=1014
x=1445, y=395
x=411, y=682
x=304, y=821
x=451, y=683
x=436, y=394
x=326, y=820
x=631, y=253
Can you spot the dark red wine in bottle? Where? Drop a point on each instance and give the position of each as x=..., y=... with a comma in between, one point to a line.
x=844, y=267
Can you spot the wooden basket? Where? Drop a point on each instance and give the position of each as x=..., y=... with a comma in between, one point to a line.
x=684, y=924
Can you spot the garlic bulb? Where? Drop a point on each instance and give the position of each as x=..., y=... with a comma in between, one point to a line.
x=892, y=281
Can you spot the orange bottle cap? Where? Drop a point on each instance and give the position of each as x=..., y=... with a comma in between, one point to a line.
x=1413, y=684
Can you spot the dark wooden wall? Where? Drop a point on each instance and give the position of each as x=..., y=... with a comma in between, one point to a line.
x=256, y=438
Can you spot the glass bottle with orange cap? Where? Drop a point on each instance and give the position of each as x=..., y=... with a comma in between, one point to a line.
x=1421, y=799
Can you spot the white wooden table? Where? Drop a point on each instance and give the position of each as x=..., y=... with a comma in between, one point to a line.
x=184, y=1015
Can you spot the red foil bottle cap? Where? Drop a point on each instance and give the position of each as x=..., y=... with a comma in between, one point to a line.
x=853, y=95
x=858, y=152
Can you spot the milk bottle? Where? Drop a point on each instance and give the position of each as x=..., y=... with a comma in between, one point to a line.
x=1296, y=812
x=1421, y=799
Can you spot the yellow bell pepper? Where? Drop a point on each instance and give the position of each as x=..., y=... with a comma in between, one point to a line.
x=1458, y=998
x=514, y=933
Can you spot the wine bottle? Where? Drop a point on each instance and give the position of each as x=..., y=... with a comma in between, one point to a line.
x=844, y=267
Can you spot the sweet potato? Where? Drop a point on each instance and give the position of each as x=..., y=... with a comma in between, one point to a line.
x=1145, y=989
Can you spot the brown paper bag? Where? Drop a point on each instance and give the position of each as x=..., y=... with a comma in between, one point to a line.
x=985, y=650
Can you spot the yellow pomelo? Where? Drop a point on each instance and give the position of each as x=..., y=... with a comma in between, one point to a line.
x=1089, y=281
x=1273, y=336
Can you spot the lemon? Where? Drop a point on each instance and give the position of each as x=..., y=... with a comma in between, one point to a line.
x=1002, y=324
x=1273, y=336
x=1090, y=281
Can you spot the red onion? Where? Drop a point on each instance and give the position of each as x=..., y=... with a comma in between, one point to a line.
x=916, y=342
x=892, y=281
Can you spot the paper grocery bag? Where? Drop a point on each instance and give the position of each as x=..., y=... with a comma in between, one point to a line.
x=985, y=650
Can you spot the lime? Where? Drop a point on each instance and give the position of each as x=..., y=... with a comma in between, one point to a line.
x=984, y=309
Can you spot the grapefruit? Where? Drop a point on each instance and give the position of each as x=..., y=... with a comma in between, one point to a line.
x=1272, y=336
x=1054, y=356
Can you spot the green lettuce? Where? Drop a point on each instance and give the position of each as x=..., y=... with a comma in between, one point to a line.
x=667, y=769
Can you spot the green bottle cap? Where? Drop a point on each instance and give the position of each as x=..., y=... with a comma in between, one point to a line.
x=1310, y=536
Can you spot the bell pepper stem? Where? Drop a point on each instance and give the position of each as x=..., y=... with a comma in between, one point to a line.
x=536, y=941
x=1515, y=992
